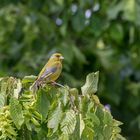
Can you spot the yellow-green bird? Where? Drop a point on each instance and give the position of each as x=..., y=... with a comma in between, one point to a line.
x=51, y=71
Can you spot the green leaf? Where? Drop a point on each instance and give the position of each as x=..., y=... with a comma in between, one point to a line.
x=94, y=118
x=17, y=89
x=107, y=119
x=69, y=122
x=60, y=2
x=137, y=15
x=3, y=91
x=11, y=131
x=2, y=100
x=78, y=22
x=76, y=134
x=95, y=99
x=16, y=112
x=64, y=95
x=98, y=25
x=116, y=123
x=90, y=86
x=87, y=134
x=28, y=79
x=35, y=122
x=100, y=137
x=106, y=57
x=55, y=117
x=91, y=116
x=64, y=137
x=114, y=9
x=74, y=96
x=129, y=9
x=119, y=137
x=42, y=104
x=79, y=55
x=82, y=125
x=83, y=105
x=116, y=32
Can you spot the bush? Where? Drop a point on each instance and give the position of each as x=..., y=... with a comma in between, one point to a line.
x=54, y=113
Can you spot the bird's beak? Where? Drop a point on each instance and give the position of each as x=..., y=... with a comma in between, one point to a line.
x=61, y=57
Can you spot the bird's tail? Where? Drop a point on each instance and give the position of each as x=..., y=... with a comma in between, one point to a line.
x=33, y=87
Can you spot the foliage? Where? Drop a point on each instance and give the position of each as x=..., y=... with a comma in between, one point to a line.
x=55, y=113
x=91, y=34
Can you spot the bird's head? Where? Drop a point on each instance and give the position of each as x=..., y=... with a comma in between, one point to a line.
x=57, y=57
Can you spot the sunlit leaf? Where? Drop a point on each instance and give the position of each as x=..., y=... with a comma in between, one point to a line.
x=28, y=79
x=68, y=123
x=64, y=95
x=82, y=125
x=64, y=137
x=87, y=134
x=55, y=117
x=16, y=112
x=18, y=88
x=129, y=10
x=90, y=86
x=2, y=100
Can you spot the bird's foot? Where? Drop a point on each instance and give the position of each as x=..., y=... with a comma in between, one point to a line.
x=55, y=83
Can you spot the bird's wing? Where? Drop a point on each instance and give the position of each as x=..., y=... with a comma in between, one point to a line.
x=47, y=72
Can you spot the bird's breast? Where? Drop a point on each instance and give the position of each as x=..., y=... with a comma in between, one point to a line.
x=54, y=76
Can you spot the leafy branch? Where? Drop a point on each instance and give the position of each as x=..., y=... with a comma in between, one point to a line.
x=54, y=113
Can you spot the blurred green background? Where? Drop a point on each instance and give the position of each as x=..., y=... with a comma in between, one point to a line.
x=92, y=35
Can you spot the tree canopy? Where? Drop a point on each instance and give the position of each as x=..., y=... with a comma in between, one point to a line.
x=91, y=35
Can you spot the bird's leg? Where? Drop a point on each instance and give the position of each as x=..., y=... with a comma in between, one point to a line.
x=55, y=83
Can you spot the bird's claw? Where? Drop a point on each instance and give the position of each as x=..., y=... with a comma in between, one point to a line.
x=55, y=83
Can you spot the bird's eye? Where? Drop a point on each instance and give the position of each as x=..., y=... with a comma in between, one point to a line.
x=57, y=56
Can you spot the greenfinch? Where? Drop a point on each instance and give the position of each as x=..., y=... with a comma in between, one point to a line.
x=51, y=71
